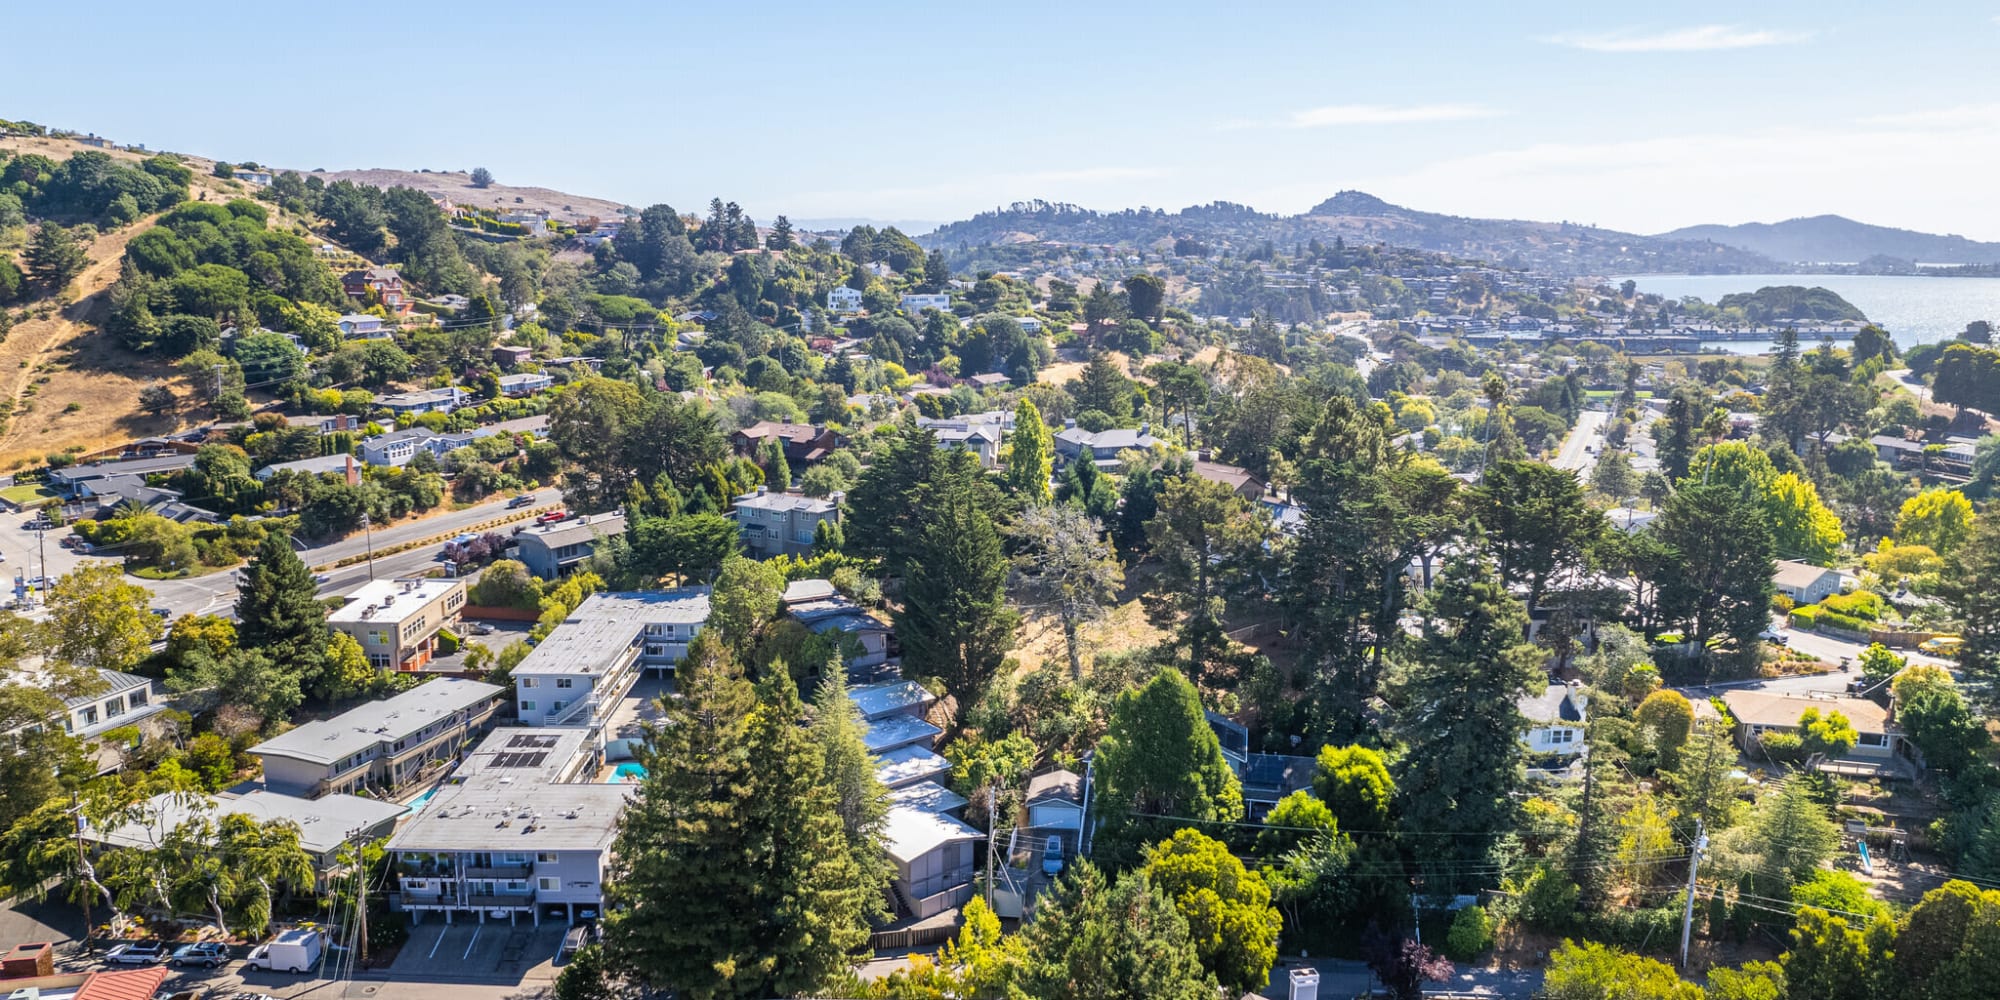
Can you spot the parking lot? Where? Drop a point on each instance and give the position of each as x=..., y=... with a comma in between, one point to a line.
x=468, y=949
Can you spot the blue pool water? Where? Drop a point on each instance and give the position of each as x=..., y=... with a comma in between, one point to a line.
x=628, y=771
x=418, y=804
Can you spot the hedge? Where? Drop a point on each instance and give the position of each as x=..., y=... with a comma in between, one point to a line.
x=1806, y=617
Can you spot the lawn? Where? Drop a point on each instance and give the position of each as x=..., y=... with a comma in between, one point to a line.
x=27, y=495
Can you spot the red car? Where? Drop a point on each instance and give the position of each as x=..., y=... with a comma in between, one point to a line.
x=552, y=517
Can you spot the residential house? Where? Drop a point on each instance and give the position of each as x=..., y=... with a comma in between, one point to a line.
x=1240, y=481
x=398, y=447
x=844, y=300
x=1876, y=750
x=105, y=498
x=509, y=357
x=822, y=609
x=804, y=443
x=535, y=221
x=409, y=404
x=1805, y=583
x=665, y=620
x=343, y=464
x=385, y=282
x=775, y=524
x=380, y=745
x=1265, y=778
x=123, y=700
x=523, y=827
x=397, y=621
x=1055, y=802
x=932, y=852
x=78, y=481
x=526, y=383
x=1556, y=716
x=325, y=824
x=580, y=674
x=119, y=984
x=915, y=303
x=362, y=326
x=1104, y=445
x=979, y=433
x=989, y=380
x=1029, y=325
x=451, y=301
x=894, y=711
x=261, y=178
x=551, y=551
x=327, y=423
x=1898, y=452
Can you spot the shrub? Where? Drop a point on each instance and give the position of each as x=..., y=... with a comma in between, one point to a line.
x=1806, y=617
x=1471, y=934
x=1782, y=604
x=1864, y=604
x=1782, y=747
x=448, y=642
x=1834, y=619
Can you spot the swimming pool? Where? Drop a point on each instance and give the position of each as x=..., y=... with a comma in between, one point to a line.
x=627, y=772
x=417, y=804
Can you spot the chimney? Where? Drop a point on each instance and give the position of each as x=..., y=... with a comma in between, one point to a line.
x=837, y=496
x=760, y=491
x=1069, y=423
x=353, y=474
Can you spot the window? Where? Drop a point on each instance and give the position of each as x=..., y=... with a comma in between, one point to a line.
x=655, y=649
x=138, y=698
x=556, y=706
x=90, y=715
x=1873, y=740
x=564, y=683
x=548, y=857
x=546, y=884
x=528, y=682
x=527, y=706
x=114, y=708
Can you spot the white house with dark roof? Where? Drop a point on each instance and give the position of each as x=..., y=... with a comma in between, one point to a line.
x=844, y=300
x=397, y=448
x=1556, y=718
x=362, y=326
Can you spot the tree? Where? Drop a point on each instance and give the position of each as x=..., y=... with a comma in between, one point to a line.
x=1937, y=517
x=849, y=771
x=1801, y=526
x=1457, y=711
x=1613, y=475
x=278, y=613
x=1971, y=586
x=1537, y=524
x=1092, y=940
x=1228, y=907
x=954, y=621
x=1878, y=664
x=1145, y=296
x=1592, y=971
x=96, y=619
x=156, y=398
x=482, y=177
x=588, y=976
x=1704, y=777
x=1948, y=941
x=732, y=871
x=1103, y=387
x=1206, y=540
x=589, y=421
x=243, y=677
x=1829, y=960
x=781, y=237
x=1292, y=820
x=1937, y=719
x=1354, y=783
x=1716, y=579
x=1159, y=758
x=1065, y=569
x=1790, y=833
x=1030, y=454
x=1666, y=716
x=1828, y=735
x=1679, y=433
x=54, y=258
x=1403, y=965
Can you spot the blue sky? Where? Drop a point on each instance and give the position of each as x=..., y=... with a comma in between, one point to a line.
x=1642, y=118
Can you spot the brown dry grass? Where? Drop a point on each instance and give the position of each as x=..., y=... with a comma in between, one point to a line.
x=1041, y=639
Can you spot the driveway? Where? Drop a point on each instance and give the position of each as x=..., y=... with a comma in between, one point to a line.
x=467, y=950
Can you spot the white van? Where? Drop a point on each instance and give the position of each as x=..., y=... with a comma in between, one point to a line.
x=295, y=950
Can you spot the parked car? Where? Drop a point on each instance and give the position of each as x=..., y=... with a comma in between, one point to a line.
x=552, y=517
x=478, y=628
x=322, y=579
x=524, y=500
x=137, y=953
x=1941, y=645
x=207, y=954
x=1774, y=636
x=1052, y=858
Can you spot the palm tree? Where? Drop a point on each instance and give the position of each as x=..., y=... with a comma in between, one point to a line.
x=266, y=859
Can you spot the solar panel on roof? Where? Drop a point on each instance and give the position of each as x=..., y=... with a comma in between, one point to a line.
x=537, y=740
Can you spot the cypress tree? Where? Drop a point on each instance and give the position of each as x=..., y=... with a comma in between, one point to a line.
x=278, y=612
x=858, y=796
x=1032, y=455
x=955, y=622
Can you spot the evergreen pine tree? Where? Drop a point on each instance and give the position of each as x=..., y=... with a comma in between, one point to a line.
x=1159, y=758
x=685, y=868
x=781, y=237
x=1092, y=939
x=278, y=613
x=1457, y=710
x=858, y=796
x=1031, y=454
x=954, y=621
x=54, y=257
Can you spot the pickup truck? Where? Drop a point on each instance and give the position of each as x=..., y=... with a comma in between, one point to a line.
x=136, y=953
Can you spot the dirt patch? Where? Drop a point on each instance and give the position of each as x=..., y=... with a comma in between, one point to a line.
x=1126, y=627
x=458, y=187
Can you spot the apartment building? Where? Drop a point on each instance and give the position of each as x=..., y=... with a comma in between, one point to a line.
x=522, y=828
x=579, y=674
x=397, y=621
x=381, y=745
x=551, y=551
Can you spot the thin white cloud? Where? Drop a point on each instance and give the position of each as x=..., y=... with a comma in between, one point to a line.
x=1333, y=115
x=1700, y=38
x=1964, y=115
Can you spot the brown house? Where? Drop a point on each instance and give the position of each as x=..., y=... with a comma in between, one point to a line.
x=1240, y=481
x=803, y=443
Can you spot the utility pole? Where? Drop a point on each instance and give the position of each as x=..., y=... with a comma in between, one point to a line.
x=1694, y=865
x=992, y=829
x=76, y=810
x=361, y=897
x=42, y=559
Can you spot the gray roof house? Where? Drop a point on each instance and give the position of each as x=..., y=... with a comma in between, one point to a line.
x=343, y=463
x=521, y=829
x=80, y=480
x=385, y=743
x=398, y=447
x=325, y=824
x=442, y=400
x=820, y=608
x=552, y=550
x=1104, y=445
x=775, y=524
x=581, y=673
x=1803, y=582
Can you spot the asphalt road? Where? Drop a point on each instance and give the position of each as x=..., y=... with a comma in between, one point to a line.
x=1575, y=454
x=1827, y=648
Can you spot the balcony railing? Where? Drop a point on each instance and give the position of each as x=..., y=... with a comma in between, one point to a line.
x=522, y=870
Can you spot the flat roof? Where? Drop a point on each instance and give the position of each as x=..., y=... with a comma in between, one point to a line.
x=893, y=731
x=571, y=530
x=907, y=765
x=928, y=795
x=677, y=606
x=785, y=501
x=909, y=833
x=877, y=700
x=364, y=726
x=581, y=647
x=508, y=796
x=323, y=822
x=391, y=600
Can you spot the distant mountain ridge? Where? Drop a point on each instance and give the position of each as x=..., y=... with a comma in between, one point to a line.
x=1834, y=239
